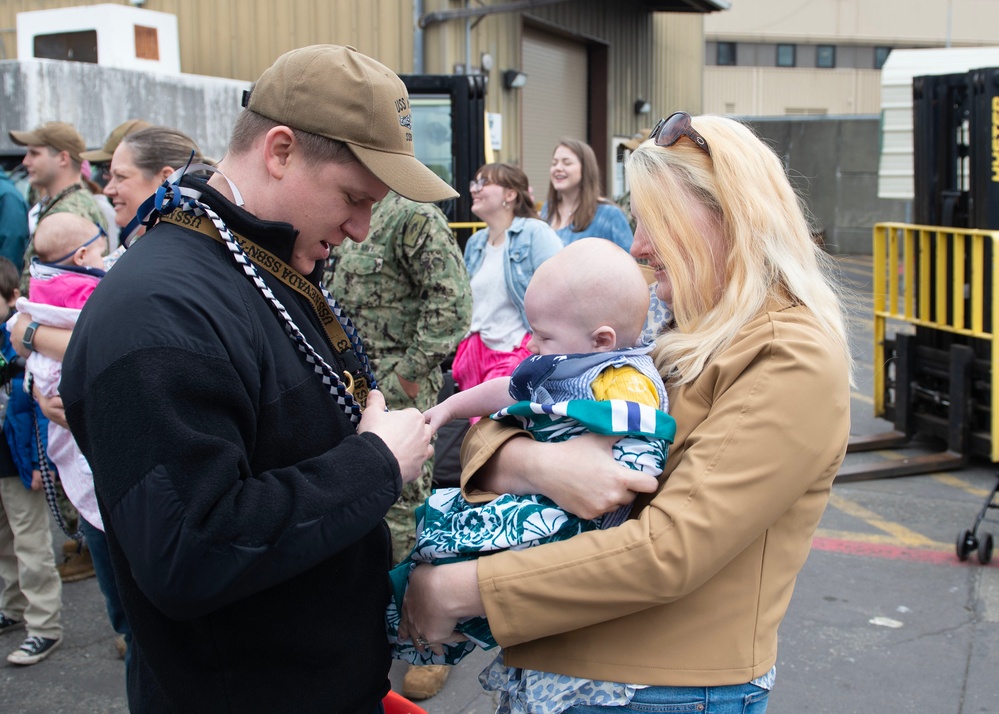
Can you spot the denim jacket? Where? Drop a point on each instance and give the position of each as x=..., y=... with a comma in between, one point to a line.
x=529, y=243
x=608, y=222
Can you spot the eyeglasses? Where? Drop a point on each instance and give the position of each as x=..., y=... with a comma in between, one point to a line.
x=669, y=130
x=478, y=184
x=100, y=233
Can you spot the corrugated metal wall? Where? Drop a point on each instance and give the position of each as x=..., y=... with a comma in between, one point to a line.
x=678, y=55
x=241, y=38
x=626, y=27
x=772, y=91
x=656, y=57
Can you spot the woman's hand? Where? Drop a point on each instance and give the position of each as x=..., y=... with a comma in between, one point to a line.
x=52, y=408
x=580, y=475
x=436, y=598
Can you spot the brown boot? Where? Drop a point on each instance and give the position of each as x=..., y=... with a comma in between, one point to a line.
x=78, y=566
x=70, y=547
x=120, y=646
x=424, y=681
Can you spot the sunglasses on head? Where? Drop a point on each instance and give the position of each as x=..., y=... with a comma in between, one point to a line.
x=669, y=130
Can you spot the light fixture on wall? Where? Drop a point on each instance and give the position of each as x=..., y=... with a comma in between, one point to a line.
x=514, y=79
x=642, y=106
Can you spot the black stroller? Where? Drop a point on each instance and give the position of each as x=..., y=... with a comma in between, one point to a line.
x=969, y=540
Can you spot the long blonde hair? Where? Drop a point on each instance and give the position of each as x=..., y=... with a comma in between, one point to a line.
x=770, y=255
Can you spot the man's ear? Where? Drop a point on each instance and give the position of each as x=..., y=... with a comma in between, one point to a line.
x=604, y=338
x=279, y=147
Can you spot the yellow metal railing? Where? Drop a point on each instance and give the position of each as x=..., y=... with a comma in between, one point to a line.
x=471, y=225
x=935, y=277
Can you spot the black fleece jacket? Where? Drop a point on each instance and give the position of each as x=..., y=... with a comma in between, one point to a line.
x=243, y=512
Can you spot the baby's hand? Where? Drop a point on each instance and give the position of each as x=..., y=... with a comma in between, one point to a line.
x=436, y=417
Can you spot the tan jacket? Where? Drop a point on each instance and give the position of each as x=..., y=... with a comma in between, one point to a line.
x=691, y=590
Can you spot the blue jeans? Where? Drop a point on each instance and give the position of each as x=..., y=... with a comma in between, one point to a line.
x=98, y=544
x=735, y=699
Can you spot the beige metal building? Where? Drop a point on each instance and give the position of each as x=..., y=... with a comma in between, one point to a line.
x=594, y=69
x=824, y=57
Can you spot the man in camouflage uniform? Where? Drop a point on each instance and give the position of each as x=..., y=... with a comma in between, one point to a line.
x=53, y=161
x=407, y=291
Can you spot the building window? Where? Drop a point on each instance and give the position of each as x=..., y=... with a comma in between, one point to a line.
x=147, y=44
x=785, y=55
x=880, y=55
x=73, y=46
x=726, y=53
x=825, y=56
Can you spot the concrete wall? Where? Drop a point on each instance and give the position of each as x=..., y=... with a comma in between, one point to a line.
x=96, y=99
x=833, y=163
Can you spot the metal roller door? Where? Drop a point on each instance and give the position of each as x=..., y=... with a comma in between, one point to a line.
x=554, y=101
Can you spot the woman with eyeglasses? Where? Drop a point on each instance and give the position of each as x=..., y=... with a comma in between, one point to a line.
x=501, y=259
x=677, y=609
x=575, y=209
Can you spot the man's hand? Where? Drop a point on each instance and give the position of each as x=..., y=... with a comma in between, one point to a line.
x=36, y=480
x=404, y=432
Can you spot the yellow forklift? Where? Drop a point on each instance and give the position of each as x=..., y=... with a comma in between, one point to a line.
x=934, y=303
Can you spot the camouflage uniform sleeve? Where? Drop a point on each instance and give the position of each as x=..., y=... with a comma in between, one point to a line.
x=438, y=271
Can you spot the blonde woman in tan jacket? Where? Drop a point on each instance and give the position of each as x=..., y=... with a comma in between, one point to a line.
x=680, y=605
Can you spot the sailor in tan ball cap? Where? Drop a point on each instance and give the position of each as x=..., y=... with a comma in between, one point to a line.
x=217, y=392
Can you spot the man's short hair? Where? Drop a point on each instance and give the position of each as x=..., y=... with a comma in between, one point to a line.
x=340, y=94
x=316, y=149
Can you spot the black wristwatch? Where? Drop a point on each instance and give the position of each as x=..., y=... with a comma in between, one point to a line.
x=28, y=341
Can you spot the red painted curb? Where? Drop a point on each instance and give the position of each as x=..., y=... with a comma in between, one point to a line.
x=891, y=552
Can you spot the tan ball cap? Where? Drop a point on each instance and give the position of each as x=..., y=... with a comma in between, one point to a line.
x=341, y=94
x=59, y=135
x=104, y=154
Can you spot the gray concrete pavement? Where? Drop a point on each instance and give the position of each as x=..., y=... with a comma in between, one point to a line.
x=884, y=617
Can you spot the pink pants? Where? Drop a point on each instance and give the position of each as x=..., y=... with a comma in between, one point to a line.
x=474, y=363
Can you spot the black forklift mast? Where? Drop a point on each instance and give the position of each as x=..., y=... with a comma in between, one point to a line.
x=449, y=129
x=939, y=379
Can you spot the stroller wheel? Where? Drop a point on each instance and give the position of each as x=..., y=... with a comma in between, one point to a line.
x=985, y=549
x=966, y=542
